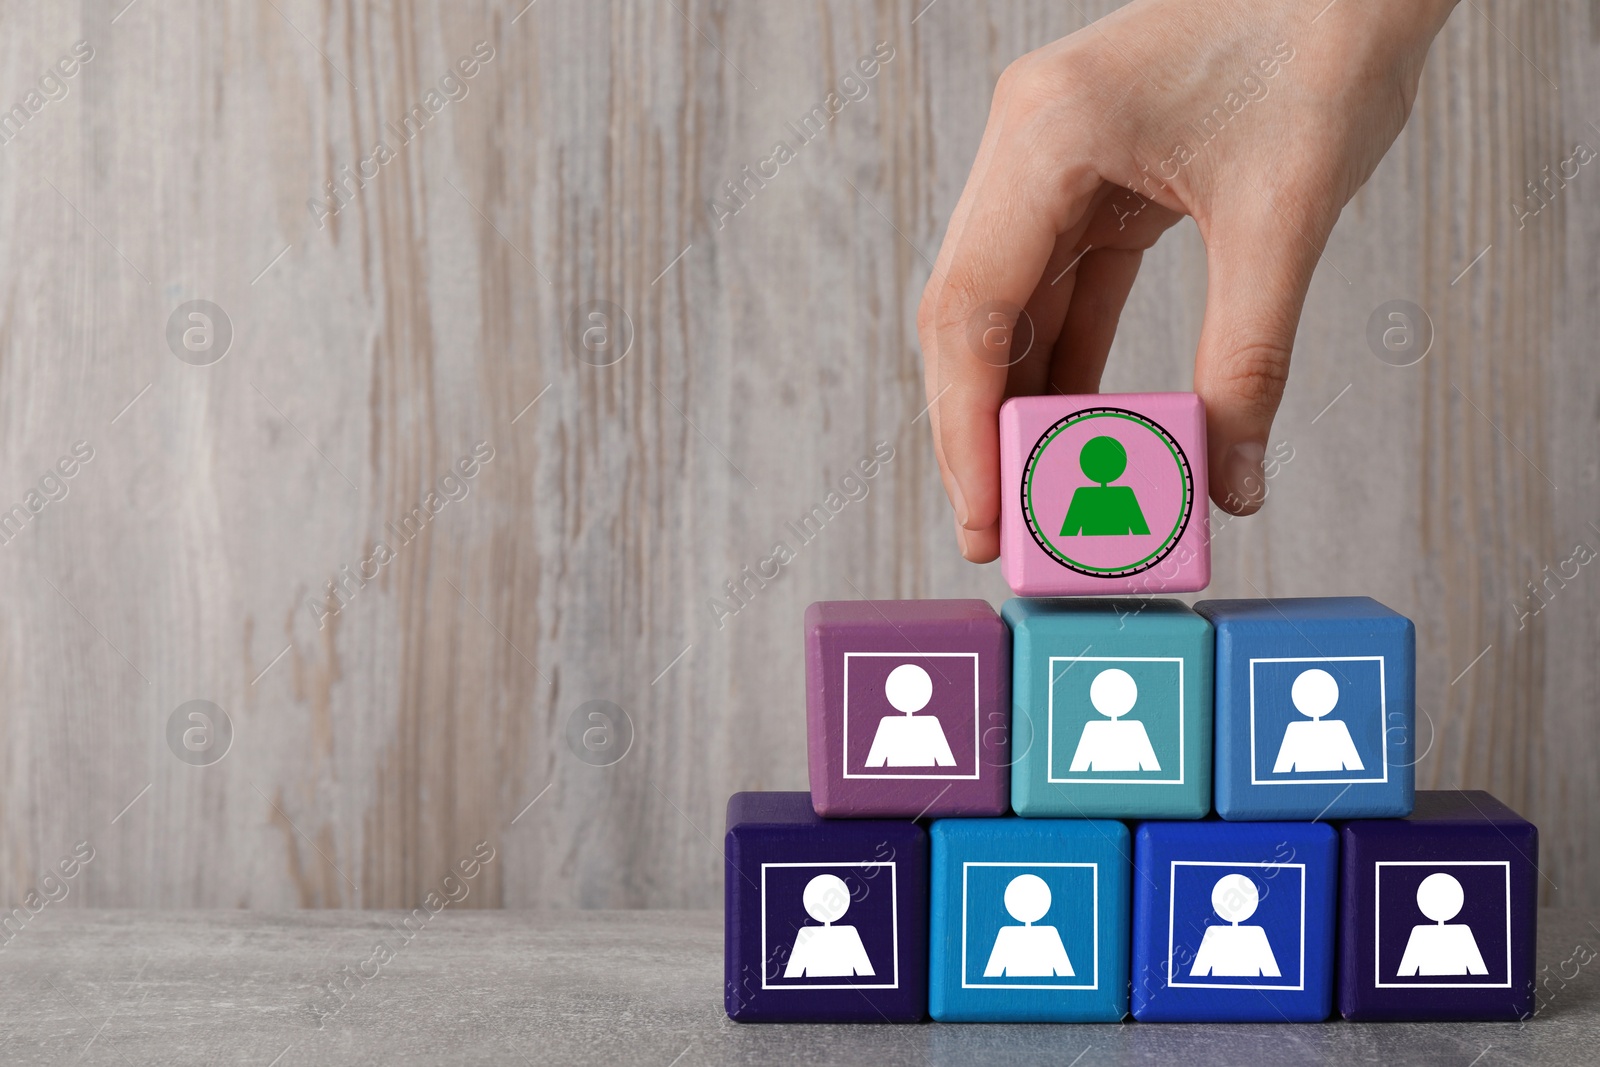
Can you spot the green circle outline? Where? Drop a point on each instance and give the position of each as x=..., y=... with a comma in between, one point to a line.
x=1172, y=538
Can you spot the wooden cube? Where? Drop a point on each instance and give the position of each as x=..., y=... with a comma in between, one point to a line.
x=1030, y=920
x=1104, y=494
x=1315, y=708
x=1233, y=922
x=1438, y=912
x=825, y=920
x=1111, y=709
x=907, y=708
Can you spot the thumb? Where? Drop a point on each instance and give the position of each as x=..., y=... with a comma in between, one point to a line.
x=1257, y=273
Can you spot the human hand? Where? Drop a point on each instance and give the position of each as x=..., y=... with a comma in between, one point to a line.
x=1258, y=118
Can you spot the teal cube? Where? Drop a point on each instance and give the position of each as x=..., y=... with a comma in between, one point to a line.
x=1111, y=709
x=1029, y=920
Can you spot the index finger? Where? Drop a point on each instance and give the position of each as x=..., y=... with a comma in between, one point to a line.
x=1022, y=194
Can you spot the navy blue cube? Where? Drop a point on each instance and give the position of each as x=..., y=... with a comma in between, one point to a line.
x=1030, y=920
x=1438, y=912
x=825, y=920
x=1233, y=922
x=1315, y=708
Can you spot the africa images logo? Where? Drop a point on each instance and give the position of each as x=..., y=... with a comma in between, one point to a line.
x=1133, y=495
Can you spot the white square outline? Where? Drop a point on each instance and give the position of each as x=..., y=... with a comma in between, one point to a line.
x=1172, y=900
x=1094, y=881
x=1377, y=944
x=1383, y=721
x=1050, y=723
x=977, y=719
x=894, y=920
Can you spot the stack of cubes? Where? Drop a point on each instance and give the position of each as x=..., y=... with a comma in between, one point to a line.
x=1078, y=808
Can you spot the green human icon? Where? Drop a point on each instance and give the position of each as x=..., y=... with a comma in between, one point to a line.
x=1103, y=510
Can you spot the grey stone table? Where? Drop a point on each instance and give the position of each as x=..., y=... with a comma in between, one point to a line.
x=281, y=990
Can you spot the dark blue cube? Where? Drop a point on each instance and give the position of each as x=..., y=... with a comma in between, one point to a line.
x=1315, y=708
x=825, y=920
x=1233, y=922
x=1438, y=912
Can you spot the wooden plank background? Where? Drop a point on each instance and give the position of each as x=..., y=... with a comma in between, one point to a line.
x=771, y=349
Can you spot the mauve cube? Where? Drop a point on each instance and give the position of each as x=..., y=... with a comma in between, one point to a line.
x=908, y=708
x=1437, y=912
x=825, y=920
x=1104, y=494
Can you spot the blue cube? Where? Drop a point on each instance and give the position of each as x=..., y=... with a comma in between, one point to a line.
x=1233, y=922
x=1438, y=912
x=824, y=920
x=1029, y=920
x=1315, y=708
x=1111, y=709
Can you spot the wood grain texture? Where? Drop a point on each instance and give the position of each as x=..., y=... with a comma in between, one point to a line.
x=772, y=348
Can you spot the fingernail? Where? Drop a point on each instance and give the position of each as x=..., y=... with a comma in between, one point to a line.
x=957, y=500
x=1245, y=480
x=961, y=539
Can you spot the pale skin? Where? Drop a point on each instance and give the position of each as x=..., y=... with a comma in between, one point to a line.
x=1245, y=115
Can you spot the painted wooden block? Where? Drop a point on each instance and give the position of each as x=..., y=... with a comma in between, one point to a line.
x=907, y=708
x=1438, y=912
x=1233, y=922
x=1104, y=494
x=1029, y=920
x=1315, y=708
x=1111, y=708
x=825, y=920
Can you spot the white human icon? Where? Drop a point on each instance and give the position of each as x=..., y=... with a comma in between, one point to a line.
x=1028, y=951
x=1234, y=951
x=907, y=740
x=827, y=951
x=1441, y=948
x=1113, y=745
x=1317, y=745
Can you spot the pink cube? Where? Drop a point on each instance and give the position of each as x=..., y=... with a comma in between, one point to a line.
x=1104, y=494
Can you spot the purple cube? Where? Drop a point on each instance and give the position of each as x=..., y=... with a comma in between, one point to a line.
x=826, y=921
x=1437, y=912
x=908, y=708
